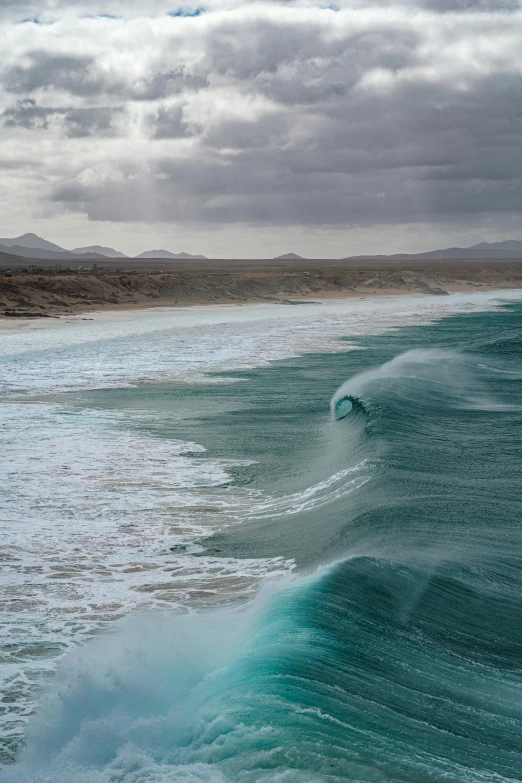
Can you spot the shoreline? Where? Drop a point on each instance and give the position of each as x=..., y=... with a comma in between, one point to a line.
x=19, y=322
x=40, y=294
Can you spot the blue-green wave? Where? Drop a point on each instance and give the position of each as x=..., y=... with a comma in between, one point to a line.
x=395, y=651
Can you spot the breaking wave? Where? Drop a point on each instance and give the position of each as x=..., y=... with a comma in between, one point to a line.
x=394, y=651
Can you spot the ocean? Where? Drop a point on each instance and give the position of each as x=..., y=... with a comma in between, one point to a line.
x=211, y=576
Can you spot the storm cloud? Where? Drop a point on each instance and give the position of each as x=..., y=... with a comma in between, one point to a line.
x=273, y=114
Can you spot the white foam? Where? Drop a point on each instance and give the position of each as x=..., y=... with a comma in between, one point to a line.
x=100, y=522
x=184, y=344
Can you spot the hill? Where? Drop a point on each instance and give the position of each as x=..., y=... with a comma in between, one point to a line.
x=37, y=253
x=33, y=242
x=166, y=254
x=106, y=252
x=508, y=249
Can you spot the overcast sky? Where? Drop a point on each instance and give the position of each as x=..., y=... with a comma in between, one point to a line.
x=243, y=129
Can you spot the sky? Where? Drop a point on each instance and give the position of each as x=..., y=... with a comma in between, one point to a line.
x=249, y=129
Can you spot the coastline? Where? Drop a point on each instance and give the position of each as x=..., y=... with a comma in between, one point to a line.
x=10, y=324
x=48, y=292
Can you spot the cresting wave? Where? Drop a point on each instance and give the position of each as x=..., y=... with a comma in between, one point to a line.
x=393, y=653
x=414, y=376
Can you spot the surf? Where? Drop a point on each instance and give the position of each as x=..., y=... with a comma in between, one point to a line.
x=392, y=650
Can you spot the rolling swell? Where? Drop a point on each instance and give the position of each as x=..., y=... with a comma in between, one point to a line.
x=394, y=656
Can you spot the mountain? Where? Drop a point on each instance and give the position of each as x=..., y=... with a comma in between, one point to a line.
x=8, y=258
x=507, y=244
x=36, y=253
x=107, y=252
x=288, y=257
x=510, y=248
x=33, y=246
x=32, y=241
x=165, y=254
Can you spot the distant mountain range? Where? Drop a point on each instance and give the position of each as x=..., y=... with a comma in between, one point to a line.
x=165, y=254
x=33, y=246
x=33, y=242
x=510, y=248
x=105, y=252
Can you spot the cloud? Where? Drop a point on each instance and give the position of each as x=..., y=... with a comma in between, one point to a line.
x=96, y=121
x=273, y=114
x=26, y=114
x=75, y=123
x=488, y=6
x=45, y=70
x=168, y=123
x=34, y=10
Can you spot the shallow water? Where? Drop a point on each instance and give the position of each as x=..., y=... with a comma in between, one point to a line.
x=235, y=586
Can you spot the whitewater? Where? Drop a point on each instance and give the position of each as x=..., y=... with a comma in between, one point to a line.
x=263, y=543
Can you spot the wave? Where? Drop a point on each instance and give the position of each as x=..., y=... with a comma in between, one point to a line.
x=417, y=377
x=365, y=672
x=392, y=654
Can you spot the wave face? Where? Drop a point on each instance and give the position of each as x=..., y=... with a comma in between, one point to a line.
x=393, y=651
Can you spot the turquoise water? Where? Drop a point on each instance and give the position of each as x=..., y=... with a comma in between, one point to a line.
x=386, y=642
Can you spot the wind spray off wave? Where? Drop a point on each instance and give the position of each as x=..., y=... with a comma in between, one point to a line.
x=417, y=377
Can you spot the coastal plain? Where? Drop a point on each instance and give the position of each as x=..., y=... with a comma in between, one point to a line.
x=49, y=289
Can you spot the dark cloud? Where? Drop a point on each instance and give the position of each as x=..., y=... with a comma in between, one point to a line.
x=26, y=114
x=274, y=48
x=94, y=121
x=413, y=154
x=88, y=77
x=331, y=69
x=271, y=130
x=163, y=80
x=46, y=70
x=167, y=123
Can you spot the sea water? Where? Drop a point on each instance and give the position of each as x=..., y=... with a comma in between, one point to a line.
x=207, y=577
